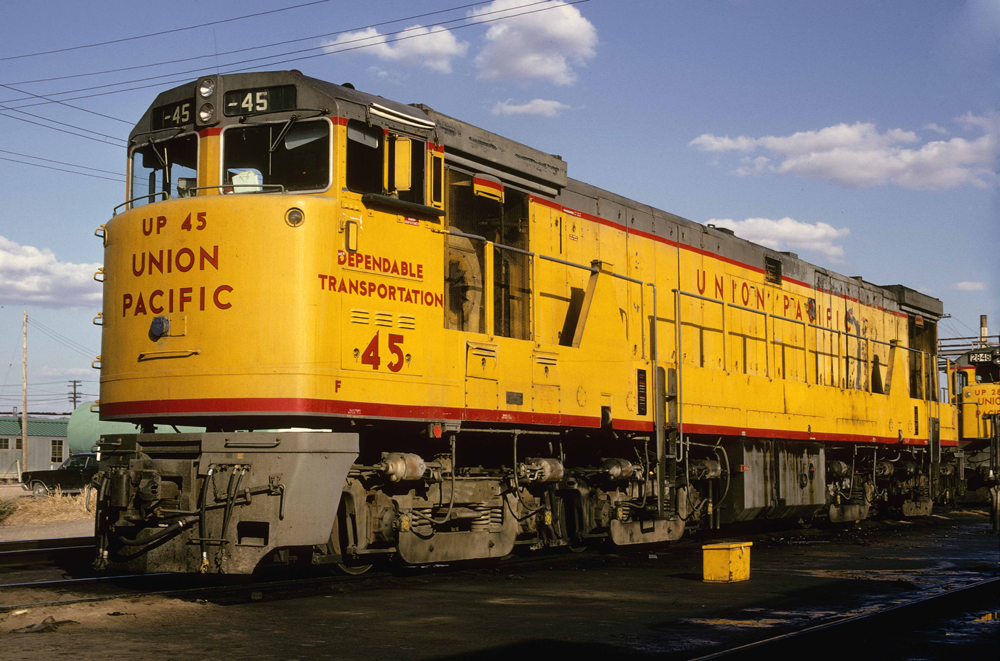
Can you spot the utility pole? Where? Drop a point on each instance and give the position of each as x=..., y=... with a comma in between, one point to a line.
x=73, y=396
x=24, y=399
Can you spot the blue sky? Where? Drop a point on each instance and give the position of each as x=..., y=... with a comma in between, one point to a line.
x=863, y=136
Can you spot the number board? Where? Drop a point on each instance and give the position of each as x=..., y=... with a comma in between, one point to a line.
x=265, y=99
x=173, y=114
x=984, y=357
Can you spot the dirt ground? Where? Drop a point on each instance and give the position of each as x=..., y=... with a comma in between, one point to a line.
x=617, y=605
x=9, y=491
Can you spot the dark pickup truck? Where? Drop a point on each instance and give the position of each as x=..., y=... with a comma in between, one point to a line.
x=72, y=476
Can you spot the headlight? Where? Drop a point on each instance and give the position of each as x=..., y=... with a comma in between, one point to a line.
x=294, y=217
x=206, y=88
x=207, y=113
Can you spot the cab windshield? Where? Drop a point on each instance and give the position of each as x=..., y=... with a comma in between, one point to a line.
x=284, y=156
x=164, y=169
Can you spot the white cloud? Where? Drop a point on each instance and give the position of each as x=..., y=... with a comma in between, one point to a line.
x=542, y=45
x=990, y=122
x=858, y=155
x=432, y=48
x=937, y=129
x=969, y=286
x=534, y=107
x=751, y=167
x=709, y=142
x=35, y=277
x=788, y=234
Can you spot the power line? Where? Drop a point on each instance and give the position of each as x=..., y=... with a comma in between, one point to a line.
x=974, y=332
x=162, y=32
x=48, y=383
x=49, y=167
x=251, y=48
x=472, y=22
x=60, y=337
x=53, y=128
x=54, y=121
x=66, y=342
x=40, y=391
x=49, y=160
x=63, y=103
x=45, y=395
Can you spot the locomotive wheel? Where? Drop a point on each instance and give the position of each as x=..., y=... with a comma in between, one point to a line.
x=353, y=570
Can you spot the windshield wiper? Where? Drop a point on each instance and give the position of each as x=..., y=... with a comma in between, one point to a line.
x=284, y=131
x=152, y=145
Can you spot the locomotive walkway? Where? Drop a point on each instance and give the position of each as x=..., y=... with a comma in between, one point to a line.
x=620, y=605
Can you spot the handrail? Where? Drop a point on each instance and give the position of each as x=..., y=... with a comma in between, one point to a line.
x=166, y=194
x=402, y=205
x=867, y=360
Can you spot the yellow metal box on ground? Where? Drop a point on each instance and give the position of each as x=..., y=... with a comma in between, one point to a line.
x=728, y=562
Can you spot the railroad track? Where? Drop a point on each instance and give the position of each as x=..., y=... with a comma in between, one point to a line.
x=833, y=639
x=246, y=588
x=34, y=550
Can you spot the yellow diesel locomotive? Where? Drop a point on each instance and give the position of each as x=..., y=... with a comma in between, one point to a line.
x=408, y=337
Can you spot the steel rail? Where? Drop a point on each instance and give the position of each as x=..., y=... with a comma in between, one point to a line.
x=13, y=552
x=777, y=645
x=85, y=579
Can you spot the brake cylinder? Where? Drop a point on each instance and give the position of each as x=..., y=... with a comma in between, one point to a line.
x=402, y=467
x=618, y=469
x=542, y=469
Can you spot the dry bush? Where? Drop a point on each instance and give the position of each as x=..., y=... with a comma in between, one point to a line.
x=47, y=509
x=7, y=507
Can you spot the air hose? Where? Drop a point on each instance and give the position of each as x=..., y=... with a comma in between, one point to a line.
x=173, y=528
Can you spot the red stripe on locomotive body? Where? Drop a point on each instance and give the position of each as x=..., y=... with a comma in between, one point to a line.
x=204, y=133
x=701, y=251
x=289, y=405
x=496, y=185
x=277, y=406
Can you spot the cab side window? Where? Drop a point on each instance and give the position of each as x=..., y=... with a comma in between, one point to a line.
x=365, y=157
